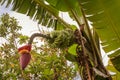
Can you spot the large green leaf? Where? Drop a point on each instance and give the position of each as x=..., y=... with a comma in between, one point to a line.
x=57, y=4
x=115, y=73
x=72, y=49
x=46, y=14
x=105, y=17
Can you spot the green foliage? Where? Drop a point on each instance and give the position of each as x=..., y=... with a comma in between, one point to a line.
x=50, y=63
x=9, y=66
x=46, y=64
x=72, y=49
x=9, y=25
x=70, y=57
x=23, y=39
x=105, y=19
x=111, y=68
x=62, y=39
x=57, y=4
x=31, y=8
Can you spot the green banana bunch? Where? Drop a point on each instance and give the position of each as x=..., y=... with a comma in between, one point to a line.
x=61, y=39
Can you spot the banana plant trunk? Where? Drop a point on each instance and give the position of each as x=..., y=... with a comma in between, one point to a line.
x=89, y=57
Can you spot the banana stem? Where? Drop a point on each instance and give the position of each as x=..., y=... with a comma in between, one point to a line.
x=37, y=35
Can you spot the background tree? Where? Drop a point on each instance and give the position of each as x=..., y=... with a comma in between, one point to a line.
x=8, y=59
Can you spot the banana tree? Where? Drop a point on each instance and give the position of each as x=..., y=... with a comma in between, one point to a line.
x=104, y=16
